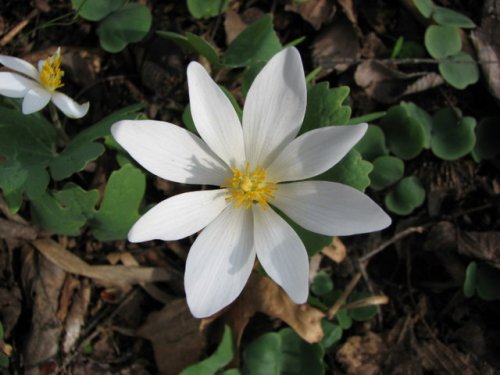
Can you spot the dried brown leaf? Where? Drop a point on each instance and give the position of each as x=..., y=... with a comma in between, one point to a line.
x=336, y=251
x=316, y=12
x=118, y=275
x=261, y=294
x=481, y=245
x=13, y=229
x=173, y=332
x=233, y=25
x=386, y=84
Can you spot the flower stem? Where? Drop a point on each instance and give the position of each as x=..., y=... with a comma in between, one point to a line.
x=63, y=137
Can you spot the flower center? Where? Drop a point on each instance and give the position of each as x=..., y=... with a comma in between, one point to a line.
x=246, y=188
x=51, y=73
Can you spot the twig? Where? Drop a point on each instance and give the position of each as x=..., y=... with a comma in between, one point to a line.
x=341, y=300
x=18, y=28
x=406, y=61
x=397, y=237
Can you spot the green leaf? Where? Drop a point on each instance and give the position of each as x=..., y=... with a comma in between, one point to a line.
x=411, y=50
x=488, y=282
x=424, y=7
x=82, y=149
x=452, y=138
x=470, y=279
x=344, y=319
x=283, y=353
x=65, y=211
x=257, y=43
x=442, y=41
x=96, y=10
x=460, y=71
x=206, y=8
x=422, y=117
x=128, y=24
x=204, y=48
x=361, y=314
x=313, y=242
x=450, y=17
x=221, y=357
x=325, y=107
x=370, y=117
x=405, y=135
x=387, y=170
x=487, y=138
x=119, y=209
x=2, y=332
x=249, y=75
x=406, y=196
x=27, y=144
x=333, y=334
x=322, y=284
x=352, y=170
x=372, y=144
x=4, y=360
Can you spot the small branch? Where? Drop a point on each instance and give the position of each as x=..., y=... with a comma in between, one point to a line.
x=407, y=61
x=345, y=294
x=18, y=28
x=397, y=237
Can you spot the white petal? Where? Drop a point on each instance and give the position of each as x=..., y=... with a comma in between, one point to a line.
x=179, y=216
x=219, y=262
x=35, y=99
x=20, y=66
x=170, y=152
x=214, y=116
x=281, y=253
x=68, y=106
x=14, y=85
x=274, y=107
x=330, y=208
x=315, y=152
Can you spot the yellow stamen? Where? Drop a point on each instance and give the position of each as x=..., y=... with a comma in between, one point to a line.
x=51, y=73
x=246, y=188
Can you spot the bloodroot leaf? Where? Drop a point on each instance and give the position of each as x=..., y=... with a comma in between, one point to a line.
x=406, y=196
x=461, y=70
x=442, y=41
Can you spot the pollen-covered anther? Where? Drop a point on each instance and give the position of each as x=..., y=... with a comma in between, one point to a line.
x=51, y=73
x=248, y=187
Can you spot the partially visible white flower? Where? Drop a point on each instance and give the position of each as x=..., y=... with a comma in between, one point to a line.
x=252, y=164
x=38, y=86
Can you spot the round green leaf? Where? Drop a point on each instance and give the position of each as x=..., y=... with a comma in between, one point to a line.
x=333, y=333
x=487, y=138
x=406, y=196
x=422, y=117
x=424, y=7
x=372, y=144
x=442, y=41
x=460, y=70
x=206, y=8
x=470, y=279
x=405, y=135
x=322, y=284
x=344, y=319
x=129, y=24
x=450, y=17
x=452, y=138
x=361, y=314
x=387, y=170
x=96, y=10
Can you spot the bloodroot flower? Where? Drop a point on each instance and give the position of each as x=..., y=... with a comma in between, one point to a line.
x=38, y=87
x=252, y=166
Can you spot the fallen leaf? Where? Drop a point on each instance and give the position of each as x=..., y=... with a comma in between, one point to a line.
x=337, y=42
x=348, y=8
x=13, y=229
x=118, y=275
x=175, y=336
x=362, y=355
x=76, y=316
x=261, y=294
x=316, y=12
x=485, y=39
x=484, y=246
x=386, y=84
x=233, y=25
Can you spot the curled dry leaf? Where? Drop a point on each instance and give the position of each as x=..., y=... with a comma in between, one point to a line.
x=316, y=12
x=336, y=251
x=337, y=42
x=117, y=275
x=261, y=294
x=76, y=316
x=481, y=245
x=386, y=84
x=173, y=332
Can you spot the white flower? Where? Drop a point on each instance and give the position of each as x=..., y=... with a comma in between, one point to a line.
x=38, y=87
x=250, y=164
